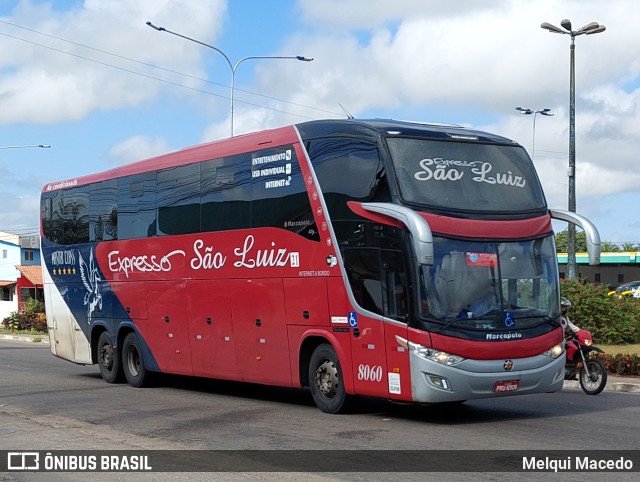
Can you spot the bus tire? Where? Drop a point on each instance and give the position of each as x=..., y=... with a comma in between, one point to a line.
x=326, y=381
x=109, y=360
x=132, y=362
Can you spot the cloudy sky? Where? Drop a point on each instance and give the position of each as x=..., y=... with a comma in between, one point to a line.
x=102, y=88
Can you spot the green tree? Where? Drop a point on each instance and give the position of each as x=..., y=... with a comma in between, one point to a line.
x=561, y=241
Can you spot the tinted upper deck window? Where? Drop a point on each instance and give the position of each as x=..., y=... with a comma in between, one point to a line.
x=225, y=193
x=348, y=170
x=179, y=199
x=137, y=206
x=103, y=211
x=279, y=196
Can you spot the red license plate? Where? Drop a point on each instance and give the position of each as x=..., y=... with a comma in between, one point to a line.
x=506, y=386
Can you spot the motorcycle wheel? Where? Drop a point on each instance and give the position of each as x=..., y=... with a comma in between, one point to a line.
x=593, y=376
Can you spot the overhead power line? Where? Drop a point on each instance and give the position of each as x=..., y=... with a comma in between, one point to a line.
x=146, y=64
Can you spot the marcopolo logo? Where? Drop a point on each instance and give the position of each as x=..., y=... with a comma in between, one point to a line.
x=504, y=336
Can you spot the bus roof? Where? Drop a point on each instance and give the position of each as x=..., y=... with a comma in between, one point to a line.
x=377, y=127
x=369, y=128
x=210, y=150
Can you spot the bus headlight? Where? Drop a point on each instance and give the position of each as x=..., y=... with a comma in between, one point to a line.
x=441, y=357
x=555, y=351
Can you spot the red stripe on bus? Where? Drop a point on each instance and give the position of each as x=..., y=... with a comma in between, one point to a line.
x=491, y=350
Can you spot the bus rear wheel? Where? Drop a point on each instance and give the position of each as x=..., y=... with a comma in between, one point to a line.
x=109, y=360
x=132, y=362
x=326, y=382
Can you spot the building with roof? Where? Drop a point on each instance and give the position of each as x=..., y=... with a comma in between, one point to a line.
x=20, y=272
x=614, y=269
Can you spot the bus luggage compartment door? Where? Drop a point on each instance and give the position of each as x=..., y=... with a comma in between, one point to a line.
x=261, y=343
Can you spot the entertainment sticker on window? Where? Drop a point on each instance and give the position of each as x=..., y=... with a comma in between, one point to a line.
x=278, y=165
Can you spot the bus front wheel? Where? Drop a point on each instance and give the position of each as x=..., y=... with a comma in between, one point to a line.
x=132, y=363
x=109, y=360
x=326, y=382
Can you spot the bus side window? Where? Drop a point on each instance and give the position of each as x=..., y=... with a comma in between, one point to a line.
x=378, y=281
x=348, y=170
x=51, y=213
x=75, y=215
x=103, y=211
x=179, y=200
x=397, y=301
x=137, y=206
x=279, y=195
x=225, y=193
x=364, y=272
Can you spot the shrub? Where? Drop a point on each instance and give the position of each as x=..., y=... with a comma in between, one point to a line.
x=611, y=320
x=620, y=364
x=29, y=318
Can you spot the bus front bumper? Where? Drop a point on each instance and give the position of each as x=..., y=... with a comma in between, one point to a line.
x=433, y=382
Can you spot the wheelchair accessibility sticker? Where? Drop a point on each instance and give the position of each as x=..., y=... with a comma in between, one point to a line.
x=509, y=320
x=353, y=319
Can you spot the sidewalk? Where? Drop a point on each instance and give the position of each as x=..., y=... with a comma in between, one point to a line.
x=614, y=383
x=25, y=337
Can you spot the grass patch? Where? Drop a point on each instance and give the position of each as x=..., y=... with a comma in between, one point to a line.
x=4, y=331
x=620, y=349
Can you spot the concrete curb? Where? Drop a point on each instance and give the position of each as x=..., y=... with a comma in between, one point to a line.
x=614, y=384
x=26, y=338
x=624, y=387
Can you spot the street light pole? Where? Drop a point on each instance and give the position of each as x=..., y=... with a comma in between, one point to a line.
x=232, y=67
x=589, y=29
x=42, y=146
x=527, y=111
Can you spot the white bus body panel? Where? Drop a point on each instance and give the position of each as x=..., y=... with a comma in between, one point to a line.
x=65, y=336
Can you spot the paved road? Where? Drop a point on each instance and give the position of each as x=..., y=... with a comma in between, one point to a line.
x=50, y=404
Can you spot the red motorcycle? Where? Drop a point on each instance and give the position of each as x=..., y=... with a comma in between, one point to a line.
x=591, y=372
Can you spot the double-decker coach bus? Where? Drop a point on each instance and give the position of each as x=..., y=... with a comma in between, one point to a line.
x=349, y=256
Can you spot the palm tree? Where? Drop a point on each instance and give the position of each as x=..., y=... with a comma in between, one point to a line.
x=609, y=247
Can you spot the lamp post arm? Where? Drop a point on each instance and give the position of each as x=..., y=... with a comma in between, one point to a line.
x=232, y=67
x=42, y=146
x=162, y=29
x=233, y=74
x=253, y=57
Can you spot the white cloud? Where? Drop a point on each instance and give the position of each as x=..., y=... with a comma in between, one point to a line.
x=367, y=14
x=48, y=80
x=476, y=57
x=459, y=61
x=136, y=148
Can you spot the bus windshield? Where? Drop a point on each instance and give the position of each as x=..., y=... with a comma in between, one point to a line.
x=491, y=285
x=466, y=176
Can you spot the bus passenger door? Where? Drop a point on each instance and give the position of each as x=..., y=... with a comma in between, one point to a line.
x=397, y=311
x=379, y=281
x=363, y=266
x=211, y=330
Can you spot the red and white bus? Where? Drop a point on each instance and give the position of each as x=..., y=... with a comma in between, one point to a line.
x=349, y=256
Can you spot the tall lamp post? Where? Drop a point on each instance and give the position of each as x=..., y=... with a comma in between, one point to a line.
x=42, y=146
x=232, y=67
x=589, y=29
x=527, y=111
